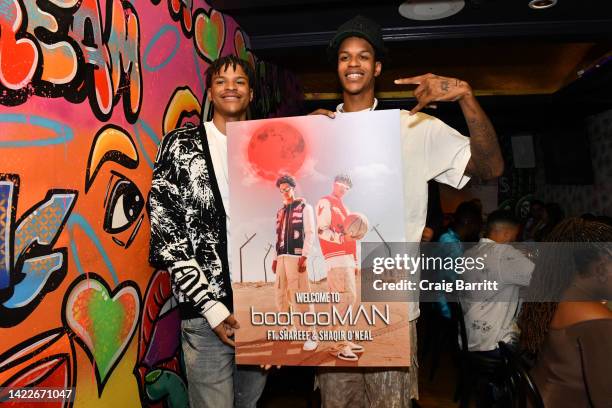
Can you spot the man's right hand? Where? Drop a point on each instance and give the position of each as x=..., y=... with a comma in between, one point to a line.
x=325, y=112
x=274, y=266
x=222, y=329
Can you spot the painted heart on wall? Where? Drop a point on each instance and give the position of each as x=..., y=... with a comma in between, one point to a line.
x=102, y=321
x=209, y=34
x=241, y=48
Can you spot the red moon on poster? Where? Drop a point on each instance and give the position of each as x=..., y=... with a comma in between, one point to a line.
x=276, y=148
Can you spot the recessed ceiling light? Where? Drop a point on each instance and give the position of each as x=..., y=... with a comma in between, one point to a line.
x=430, y=9
x=542, y=4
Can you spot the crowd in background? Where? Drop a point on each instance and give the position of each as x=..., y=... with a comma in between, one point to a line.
x=565, y=342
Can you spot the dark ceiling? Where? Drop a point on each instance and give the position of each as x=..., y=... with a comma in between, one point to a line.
x=502, y=47
x=290, y=23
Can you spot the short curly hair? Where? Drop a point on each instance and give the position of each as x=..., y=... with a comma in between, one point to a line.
x=344, y=179
x=222, y=63
x=286, y=179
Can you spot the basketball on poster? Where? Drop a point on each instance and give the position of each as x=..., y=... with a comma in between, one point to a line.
x=305, y=192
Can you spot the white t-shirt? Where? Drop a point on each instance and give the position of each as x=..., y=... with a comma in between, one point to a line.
x=494, y=320
x=217, y=144
x=430, y=150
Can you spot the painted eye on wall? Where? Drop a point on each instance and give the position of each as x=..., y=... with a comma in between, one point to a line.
x=123, y=206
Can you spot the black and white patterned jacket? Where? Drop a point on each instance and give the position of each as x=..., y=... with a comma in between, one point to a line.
x=188, y=230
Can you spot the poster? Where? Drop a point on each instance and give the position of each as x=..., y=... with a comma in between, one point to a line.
x=305, y=193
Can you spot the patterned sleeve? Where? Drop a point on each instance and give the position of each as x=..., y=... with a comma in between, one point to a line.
x=170, y=245
x=192, y=284
x=169, y=240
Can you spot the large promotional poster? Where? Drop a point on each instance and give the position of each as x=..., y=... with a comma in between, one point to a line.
x=305, y=193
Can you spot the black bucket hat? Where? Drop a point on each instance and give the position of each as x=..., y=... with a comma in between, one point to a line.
x=362, y=27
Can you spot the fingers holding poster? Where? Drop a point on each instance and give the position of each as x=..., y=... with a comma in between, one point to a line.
x=305, y=192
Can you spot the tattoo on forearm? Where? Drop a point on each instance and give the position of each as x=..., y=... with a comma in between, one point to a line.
x=444, y=86
x=486, y=154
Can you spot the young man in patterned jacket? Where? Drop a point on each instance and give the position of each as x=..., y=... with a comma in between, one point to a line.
x=188, y=206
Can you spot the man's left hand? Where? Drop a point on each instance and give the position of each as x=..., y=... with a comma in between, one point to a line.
x=434, y=88
x=302, y=264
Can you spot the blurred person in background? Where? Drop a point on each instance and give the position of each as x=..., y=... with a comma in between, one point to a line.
x=536, y=213
x=552, y=215
x=572, y=340
x=491, y=317
x=465, y=227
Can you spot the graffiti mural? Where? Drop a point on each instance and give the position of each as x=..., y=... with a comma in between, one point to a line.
x=30, y=265
x=87, y=90
x=65, y=50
